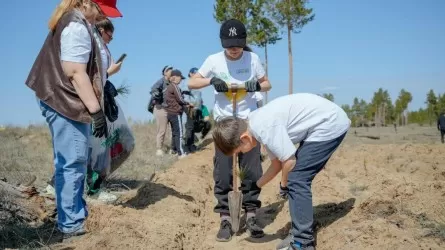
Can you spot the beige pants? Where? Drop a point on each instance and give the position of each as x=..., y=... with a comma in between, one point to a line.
x=161, y=126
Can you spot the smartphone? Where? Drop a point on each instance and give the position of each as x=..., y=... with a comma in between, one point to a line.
x=121, y=58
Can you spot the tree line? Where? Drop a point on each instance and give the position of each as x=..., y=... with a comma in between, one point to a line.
x=382, y=111
x=266, y=20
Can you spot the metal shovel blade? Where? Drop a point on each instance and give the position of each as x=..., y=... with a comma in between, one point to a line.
x=235, y=203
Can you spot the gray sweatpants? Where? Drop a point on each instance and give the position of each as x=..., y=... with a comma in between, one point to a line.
x=311, y=159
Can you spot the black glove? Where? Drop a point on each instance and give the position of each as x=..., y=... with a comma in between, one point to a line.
x=252, y=86
x=284, y=191
x=219, y=85
x=248, y=185
x=99, y=124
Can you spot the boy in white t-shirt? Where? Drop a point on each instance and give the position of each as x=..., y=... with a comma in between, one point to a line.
x=318, y=124
x=234, y=65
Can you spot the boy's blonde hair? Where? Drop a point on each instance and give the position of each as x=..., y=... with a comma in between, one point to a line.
x=227, y=133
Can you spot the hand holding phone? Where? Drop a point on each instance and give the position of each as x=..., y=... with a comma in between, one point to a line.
x=121, y=58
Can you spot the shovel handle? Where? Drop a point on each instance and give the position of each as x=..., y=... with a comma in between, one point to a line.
x=235, y=86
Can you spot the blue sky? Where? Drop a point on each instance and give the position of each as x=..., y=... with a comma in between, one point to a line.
x=351, y=49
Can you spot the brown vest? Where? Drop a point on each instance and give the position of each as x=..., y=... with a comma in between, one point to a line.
x=50, y=83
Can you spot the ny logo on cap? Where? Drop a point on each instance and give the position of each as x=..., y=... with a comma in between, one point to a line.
x=232, y=31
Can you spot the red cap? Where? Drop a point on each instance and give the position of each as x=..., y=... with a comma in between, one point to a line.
x=108, y=7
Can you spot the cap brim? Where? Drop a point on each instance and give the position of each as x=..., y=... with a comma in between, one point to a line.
x=110, y=11
x=229, y=43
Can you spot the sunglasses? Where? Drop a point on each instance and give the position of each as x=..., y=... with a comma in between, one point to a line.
x=109, y=35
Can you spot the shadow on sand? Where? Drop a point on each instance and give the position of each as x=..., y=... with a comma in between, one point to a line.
x=324, y=214
x=150, y=193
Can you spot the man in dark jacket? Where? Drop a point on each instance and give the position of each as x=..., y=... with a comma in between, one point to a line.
x=441, y=125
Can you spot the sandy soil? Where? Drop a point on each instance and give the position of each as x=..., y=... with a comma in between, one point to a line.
x=373, y=194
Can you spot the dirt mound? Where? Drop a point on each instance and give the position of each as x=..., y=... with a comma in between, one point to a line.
x=368, y=197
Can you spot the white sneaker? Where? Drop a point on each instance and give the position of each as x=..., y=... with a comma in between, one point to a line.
x=49, y=190
x=182, y=156
x=159, y=152
x=106, y=197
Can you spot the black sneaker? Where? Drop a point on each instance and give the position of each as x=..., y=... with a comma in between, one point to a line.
x=225, y=231
x=253, y=228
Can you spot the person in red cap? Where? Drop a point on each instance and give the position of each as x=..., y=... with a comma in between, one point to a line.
x=108, y=7
x=68, y=78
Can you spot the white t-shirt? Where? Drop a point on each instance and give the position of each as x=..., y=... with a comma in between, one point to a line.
x=244, y=69
x=75, y=46
x=258, y=96
x=290, y=119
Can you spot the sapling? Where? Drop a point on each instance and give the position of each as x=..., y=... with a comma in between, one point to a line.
x=242, y=173
x=123, y=90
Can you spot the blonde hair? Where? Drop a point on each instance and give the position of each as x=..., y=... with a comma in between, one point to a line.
x=63, y=7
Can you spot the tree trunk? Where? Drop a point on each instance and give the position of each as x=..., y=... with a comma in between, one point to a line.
x=267, y=72
x=406, y=115
x=289, y=45
x=23, y=203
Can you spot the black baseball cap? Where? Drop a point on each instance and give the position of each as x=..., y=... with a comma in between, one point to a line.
x=177, y=72
x=233, y=34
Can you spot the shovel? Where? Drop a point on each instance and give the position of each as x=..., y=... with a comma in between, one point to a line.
x=235, y=196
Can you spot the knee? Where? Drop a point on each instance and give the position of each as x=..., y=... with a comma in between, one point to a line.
x=297, y=181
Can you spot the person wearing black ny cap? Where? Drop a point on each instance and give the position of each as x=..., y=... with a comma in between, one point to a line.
x=234, y=65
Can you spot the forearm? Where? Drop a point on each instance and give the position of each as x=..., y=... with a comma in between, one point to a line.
x=265, y=86
x=287, y=167
x=198, y=83
x=111, y=71
x=272, y=171
x=84, y=89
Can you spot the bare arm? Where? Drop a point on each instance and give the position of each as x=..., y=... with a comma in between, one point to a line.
x=288, y=165
x=272, y=171
x=82, y=84
x=198, y=82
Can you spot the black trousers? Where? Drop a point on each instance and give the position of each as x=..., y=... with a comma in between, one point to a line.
x=190, y=135
x=222, y=175
x=177, y=132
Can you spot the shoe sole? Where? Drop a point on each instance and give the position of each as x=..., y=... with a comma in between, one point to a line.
x=284, y=248
x=224, y=240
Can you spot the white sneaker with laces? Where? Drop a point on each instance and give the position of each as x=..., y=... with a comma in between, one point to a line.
x=159, y=152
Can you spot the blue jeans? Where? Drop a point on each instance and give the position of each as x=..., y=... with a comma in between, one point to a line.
x=71, y=152
x=311, y=159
